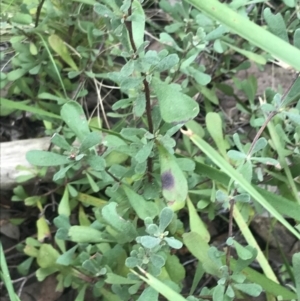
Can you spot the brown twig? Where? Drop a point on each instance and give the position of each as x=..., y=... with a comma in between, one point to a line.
x=258, y=134
x=270, y=116
x=38, y=13
x=230, y=234
x=146, y=89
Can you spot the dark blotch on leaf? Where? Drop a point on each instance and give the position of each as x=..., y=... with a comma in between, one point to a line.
x=167, y=180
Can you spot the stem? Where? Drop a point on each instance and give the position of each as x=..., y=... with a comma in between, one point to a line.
x=270, y=116
x=146, y=89
x=230, y=226
x=148, y=106
x=38, y=13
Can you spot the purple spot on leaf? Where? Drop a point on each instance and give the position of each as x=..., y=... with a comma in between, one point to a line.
x=167, y=180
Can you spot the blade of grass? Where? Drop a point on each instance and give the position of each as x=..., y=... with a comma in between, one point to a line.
x=250, y=31
x=6, y=276
x=54, y=65
x=20, y=106
x=234, y=175
x=263, y=262
x=159, y=286
x=283, y=205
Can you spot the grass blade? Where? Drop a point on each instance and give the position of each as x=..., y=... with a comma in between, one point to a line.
x=250, y=31
x=5, y=276
x=234, y=175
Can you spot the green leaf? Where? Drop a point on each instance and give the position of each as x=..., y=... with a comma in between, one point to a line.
x=149, y=241
x=209, y=93
x=276, y=24
x=197, y=277
x=32, y=200
x=214, y=127
x=235, y=155
x=218, y=292
x=267, y=161
x=200, y=77
x=62, y=172
x=24, y=267
x=242, y=252
x=58, y=45
x=43, y=273
x=84, y=234
x=16, y=74
x=174, y=183
x=293, y=116
x=260, y=144
x=199, y=248
x=296, y=267
x=142, y=208
x=173, y=243
x=82, y=290
x=251, y=289
x=112, y=278
x=186, y=164
x=175, y=107
x=67, y=258
x=139, y=105
x=103, y=10
x=132, y=262
x=138, y=23
x=109, y=213
x=293, y=94
x=165, y=38
x=21, y=18
x=42, y=229
x=96, y=162
x=143, y=154
x=167, y=62
x=44, y=158
x=244, y=198
x=297, y=38
x=62, y=221
x=47, y=256
x=61, y=142
x=157, y=260
x=148, y=294
x=92, y=183
x=64, y=205
x=127, y=69
x=73, y=115
x=175, y=269
x=89, y=2
x=91, y=140
x=165, y=218
x=196, y=223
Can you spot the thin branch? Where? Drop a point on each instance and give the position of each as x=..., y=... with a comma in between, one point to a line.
x=230, y=234
x=258, y=134
x=38, y=13
x=148, y=106
x=146, y=89
x=129, y=28
x=270, y=116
